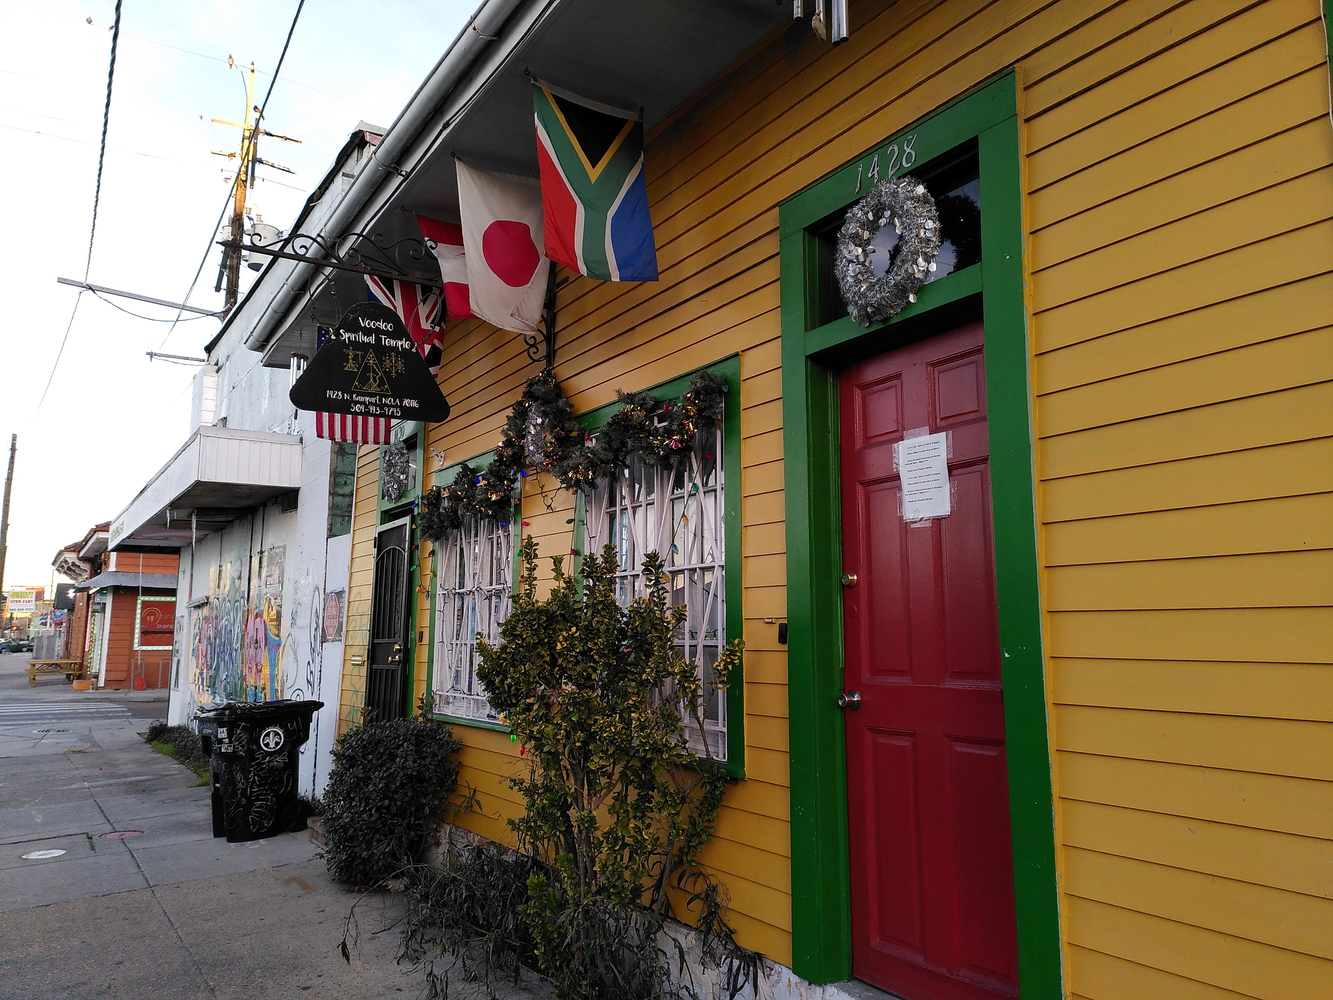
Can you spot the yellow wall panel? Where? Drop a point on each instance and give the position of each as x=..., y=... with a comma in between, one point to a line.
x=1262, y=857
x=1285, y=363
x=1258, y=690
x=1235, y=425
x=1261, y=801
x=1260, y=580
x=1256, y=474
x=1253, y=969
x=1187, y=77
x=1250, y=168
x=1253, y=912
x=1274, y=635
x=1268, y=113
x=1307, y=251
x=1267, y=746
x=1283, y=524
x=764, y=539
x=1267, y=213
x=767, y=699
x=1098, y=976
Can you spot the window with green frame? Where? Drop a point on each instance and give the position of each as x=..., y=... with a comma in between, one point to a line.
x=691, y=516
x=474, y=589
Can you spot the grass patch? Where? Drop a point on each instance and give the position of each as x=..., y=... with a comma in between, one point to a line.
x=182, y=744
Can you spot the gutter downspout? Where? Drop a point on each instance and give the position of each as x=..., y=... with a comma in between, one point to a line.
x=484, y=27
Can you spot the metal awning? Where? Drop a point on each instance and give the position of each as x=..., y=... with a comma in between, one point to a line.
x=218, y=475
x=121, y=578
x=653, y=54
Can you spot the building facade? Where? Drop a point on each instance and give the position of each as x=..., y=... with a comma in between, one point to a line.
x=1068, y=740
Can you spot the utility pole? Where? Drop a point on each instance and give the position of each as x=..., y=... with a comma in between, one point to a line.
x=4, y=527
x=245, y=179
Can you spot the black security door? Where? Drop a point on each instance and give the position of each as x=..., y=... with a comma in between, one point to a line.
x=388, y=624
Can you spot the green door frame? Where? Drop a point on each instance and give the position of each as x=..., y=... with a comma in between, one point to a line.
x=813, y=352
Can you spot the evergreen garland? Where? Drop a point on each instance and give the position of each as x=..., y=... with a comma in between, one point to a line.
x=541, y=432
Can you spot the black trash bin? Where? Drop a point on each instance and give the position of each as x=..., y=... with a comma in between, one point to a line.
x=253, y=749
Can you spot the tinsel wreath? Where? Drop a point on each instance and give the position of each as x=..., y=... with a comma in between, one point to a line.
x=541, y=431
x=905, y=204
x=397, y=467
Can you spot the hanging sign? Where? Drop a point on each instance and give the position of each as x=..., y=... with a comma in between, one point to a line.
x=370, y=367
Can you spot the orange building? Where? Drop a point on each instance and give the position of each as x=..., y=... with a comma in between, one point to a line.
x=124, y=617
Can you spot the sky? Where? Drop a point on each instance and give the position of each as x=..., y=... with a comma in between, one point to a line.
x=112, y=417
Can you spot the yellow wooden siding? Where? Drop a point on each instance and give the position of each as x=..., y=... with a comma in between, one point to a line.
x=1180, y=250
x=1180, y=257
x=356, y=631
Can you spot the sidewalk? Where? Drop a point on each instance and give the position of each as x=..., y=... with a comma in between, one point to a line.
x=143, y=901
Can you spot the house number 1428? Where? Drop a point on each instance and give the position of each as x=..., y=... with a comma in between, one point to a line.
x=892, y=163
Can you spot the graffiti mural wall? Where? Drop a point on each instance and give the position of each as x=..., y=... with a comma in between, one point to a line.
x=235, y=636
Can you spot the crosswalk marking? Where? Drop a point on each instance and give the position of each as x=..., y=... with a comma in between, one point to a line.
x=31, y=711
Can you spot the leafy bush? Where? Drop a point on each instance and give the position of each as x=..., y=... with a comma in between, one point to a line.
x=617, y=808
x=389, y=785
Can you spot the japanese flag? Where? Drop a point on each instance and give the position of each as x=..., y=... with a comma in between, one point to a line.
x=446, y=241
x=502, y=234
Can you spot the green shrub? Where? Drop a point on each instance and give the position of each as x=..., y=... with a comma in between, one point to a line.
x=388, y=788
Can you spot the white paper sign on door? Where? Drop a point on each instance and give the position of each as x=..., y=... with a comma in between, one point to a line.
x=923, y=465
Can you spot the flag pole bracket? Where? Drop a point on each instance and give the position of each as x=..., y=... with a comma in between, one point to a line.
x=541, y=346
x=362, y=253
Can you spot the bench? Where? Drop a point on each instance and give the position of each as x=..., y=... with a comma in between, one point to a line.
x=70, y=668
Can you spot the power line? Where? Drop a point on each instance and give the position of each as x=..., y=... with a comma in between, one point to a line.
x=236, y=180
x=101, y=154
x=97, y=197
x=150, y=319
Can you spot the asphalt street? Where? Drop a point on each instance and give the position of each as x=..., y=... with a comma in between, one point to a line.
x=112, y=885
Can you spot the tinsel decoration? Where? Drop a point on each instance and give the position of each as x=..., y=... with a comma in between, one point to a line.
x=640, y=429
x=905, y=204
x=397, y=469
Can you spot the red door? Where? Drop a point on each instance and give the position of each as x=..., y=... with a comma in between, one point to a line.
x=931, y=863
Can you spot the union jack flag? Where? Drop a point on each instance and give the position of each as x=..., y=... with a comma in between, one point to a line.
x=422, y=311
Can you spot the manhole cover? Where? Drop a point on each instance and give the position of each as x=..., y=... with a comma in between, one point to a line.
x=120, y=834
x=47, y=732
x=39, y=855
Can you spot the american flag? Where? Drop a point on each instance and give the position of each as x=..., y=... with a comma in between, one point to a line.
x=422, y=311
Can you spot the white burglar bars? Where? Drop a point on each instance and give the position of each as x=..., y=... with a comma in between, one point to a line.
x=475, y=566
x=677, y=512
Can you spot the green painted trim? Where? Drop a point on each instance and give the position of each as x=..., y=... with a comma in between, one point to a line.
x=730, y=369
x=1326, y=10
x=811, y=358
x=385, y=511
x=430, y=650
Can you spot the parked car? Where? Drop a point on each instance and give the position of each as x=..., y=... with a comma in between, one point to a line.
x=23, y=645
x=9, y=645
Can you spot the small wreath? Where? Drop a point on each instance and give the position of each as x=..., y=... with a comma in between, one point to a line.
x=905, y=203
x=397, y=471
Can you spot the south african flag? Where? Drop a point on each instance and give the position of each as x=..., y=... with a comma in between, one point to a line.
x=594, y=200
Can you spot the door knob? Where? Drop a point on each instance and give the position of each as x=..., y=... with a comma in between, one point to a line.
x=849, y=579
x=397, y=647
x=850, y=701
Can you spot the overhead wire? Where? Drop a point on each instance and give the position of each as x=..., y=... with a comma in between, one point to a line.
x=235, y=180
x=129, y=312
x=97, y=197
